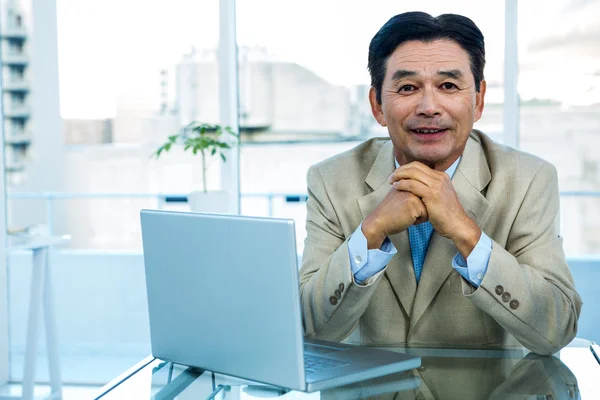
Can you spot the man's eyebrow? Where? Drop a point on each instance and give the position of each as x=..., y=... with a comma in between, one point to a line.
x=452, y=74
x=402, y=73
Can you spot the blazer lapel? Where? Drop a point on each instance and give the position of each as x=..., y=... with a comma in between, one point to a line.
x=377, y=179
x=471, y=177
x=400, y=271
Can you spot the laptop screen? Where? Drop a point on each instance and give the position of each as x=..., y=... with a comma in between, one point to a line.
x=223, y=294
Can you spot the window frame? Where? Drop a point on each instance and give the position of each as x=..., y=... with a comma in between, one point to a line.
x=227, y=58
x=4, y=349
x=511, y=71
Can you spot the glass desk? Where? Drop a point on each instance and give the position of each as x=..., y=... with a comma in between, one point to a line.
x=465, y=374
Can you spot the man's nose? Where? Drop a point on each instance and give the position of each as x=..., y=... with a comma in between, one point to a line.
x=428, y=105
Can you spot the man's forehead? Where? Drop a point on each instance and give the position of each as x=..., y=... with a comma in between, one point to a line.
x=428, y=57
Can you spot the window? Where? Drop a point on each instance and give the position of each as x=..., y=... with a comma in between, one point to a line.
x=304, y=88
x=87, y=169
x=559, y=88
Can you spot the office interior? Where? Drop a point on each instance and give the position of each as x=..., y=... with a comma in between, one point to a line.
x=91, y=90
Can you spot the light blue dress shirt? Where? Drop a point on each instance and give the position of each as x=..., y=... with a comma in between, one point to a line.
x=366, y=263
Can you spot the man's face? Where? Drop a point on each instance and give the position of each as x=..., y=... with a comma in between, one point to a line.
x=428, y=102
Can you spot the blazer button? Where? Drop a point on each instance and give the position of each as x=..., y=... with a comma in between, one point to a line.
x=338, y=294
x=341, y=287
x=514, y=304
x=333, y=300
x=499, y=290
x=506, y=297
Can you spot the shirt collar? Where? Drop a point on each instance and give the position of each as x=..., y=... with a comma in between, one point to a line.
x=450, y=171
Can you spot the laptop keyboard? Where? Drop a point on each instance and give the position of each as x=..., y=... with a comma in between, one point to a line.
x=314, y=364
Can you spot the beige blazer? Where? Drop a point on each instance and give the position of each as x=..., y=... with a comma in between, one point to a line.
x=527, y=292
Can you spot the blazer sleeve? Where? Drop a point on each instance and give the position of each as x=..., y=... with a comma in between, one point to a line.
x=332, y=303
x=528, y=288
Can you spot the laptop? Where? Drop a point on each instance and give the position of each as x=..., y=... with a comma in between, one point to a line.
x=223, y=296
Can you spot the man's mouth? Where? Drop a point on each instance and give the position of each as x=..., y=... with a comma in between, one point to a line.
x=428, y=130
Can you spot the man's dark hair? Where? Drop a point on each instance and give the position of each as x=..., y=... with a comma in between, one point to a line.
x=426, y=28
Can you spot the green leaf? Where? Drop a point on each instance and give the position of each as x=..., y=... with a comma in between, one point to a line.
x=199, y=137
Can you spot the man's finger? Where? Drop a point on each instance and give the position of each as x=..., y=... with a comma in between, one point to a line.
x=414, y=173
x=415, y=187
x=421, y=220
x=423, y=168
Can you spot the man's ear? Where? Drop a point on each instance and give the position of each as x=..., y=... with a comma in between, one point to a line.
x=376, y=108
x=479, y=101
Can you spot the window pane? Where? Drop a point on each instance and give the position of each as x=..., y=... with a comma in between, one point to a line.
x=304, y=85
x=126, y=69
x=559, y=87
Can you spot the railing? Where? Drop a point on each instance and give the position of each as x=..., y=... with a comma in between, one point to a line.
x=17, y=110
x=20, y=138
x=14, y=57
x=16, y=85
x=162, y=199
x=180, y=198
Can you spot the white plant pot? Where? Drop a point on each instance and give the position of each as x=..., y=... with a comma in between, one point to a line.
x=209, y=202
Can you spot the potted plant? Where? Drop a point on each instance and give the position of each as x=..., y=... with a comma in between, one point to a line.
x=208, y=141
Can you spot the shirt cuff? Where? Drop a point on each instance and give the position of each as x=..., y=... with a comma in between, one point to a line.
x=473, y=269
x=365, y=263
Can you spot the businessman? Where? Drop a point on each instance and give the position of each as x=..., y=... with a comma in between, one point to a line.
x=437, y=235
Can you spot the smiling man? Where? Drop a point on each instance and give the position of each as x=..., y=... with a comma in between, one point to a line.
x=437, y=235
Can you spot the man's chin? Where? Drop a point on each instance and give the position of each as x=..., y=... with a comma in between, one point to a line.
x=434, y=160
x=431, y=155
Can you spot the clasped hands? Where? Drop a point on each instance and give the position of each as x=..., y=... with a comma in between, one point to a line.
x=421, y=194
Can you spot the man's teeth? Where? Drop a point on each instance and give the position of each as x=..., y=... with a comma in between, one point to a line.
x=428, y=130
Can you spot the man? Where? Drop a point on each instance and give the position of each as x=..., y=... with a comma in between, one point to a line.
x=439, y=236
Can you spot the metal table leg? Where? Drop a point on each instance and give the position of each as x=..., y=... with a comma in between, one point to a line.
x=51, y=337
x=35, y=308
x=41, y=298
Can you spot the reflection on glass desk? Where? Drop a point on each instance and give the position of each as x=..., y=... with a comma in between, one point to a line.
x=463, y=374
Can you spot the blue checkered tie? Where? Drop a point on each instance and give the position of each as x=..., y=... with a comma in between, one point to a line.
x=419, y=236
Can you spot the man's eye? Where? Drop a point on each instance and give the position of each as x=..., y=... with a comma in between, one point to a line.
x=449, y=86
x=406, y=88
